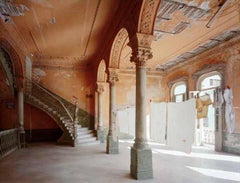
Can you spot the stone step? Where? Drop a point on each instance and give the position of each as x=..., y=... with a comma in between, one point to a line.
x=84, y=136
x=83, y=129
x=85, y=132
x=86, y=140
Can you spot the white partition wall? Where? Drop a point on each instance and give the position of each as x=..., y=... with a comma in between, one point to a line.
x=158, y=122
x=126, y=120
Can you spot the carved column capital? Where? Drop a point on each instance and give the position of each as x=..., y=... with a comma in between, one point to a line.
x=113, y=76
x=141, y=49
x=100, y=88
x=20, y=83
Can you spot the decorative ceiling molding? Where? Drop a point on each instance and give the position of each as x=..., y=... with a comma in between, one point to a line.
x=225, y=36
x=132, y=73
x=174, y=17
x=59, y=63
x=8, y=9
x=58, y=67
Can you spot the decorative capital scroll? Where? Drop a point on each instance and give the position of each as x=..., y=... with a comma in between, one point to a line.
x=113, y=76
x=141, y=49
x=100, y=88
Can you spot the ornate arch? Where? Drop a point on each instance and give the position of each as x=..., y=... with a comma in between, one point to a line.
x=117, y=47
x=101, y=72
x=16, y=62
x=147, y=16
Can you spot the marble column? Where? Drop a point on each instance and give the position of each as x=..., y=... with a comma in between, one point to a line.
x=21, y=118
x=141, y=154
x=112, y=138
x=100, y=129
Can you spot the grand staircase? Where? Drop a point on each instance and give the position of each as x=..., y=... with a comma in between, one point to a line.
x=62, y=112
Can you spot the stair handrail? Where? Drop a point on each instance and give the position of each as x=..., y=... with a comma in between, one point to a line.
x=65, y=108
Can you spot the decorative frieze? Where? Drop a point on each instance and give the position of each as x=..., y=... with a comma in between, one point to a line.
x=147, y=17
x=117, y=47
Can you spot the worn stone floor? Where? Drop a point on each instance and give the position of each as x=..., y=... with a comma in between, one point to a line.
x=48, y=163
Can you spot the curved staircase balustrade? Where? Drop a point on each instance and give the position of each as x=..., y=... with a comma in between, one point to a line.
x=62, y=112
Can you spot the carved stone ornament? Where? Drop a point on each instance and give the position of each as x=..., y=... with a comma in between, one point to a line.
x=100, y=88
x=147, y=17
x=141, y=49
x=117, y=47
x=113, y=76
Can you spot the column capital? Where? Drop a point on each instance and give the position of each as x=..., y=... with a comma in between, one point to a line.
x=20, y=83
x=100, y=88
x=113, y=76
x=141, y=49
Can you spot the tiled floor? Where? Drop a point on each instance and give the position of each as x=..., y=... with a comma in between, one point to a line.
x=48, y=163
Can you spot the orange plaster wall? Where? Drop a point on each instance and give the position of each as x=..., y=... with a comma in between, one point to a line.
x=68, y=83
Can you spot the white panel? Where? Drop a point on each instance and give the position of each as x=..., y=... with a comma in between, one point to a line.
x=131, y=113
x=126, y=119
x=123, y=121
x=158, y=122
x=180, y=126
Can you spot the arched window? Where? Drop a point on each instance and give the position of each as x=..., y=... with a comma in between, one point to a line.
x=210, y=82
x=179, y=92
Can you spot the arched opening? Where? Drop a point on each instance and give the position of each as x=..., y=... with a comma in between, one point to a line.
x=101, y=76
x=207, y=86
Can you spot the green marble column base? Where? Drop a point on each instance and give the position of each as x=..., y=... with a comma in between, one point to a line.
x=141, y=164
x=112, y=146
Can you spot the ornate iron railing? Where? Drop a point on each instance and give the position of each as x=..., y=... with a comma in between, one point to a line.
x=9, y=141
x=42, y=89
x=209, y=136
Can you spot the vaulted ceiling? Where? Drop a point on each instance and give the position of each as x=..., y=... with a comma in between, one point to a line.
x=72, y=32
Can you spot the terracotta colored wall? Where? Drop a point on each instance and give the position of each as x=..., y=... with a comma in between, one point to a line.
x=8, y=114
x=37, y=119
x=33, y=118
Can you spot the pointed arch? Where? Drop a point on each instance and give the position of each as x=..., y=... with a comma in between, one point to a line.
x=101, y=76
x=16, y=62
x=117, y=47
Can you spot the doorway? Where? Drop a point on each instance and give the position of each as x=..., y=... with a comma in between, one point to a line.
x=205, y=128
